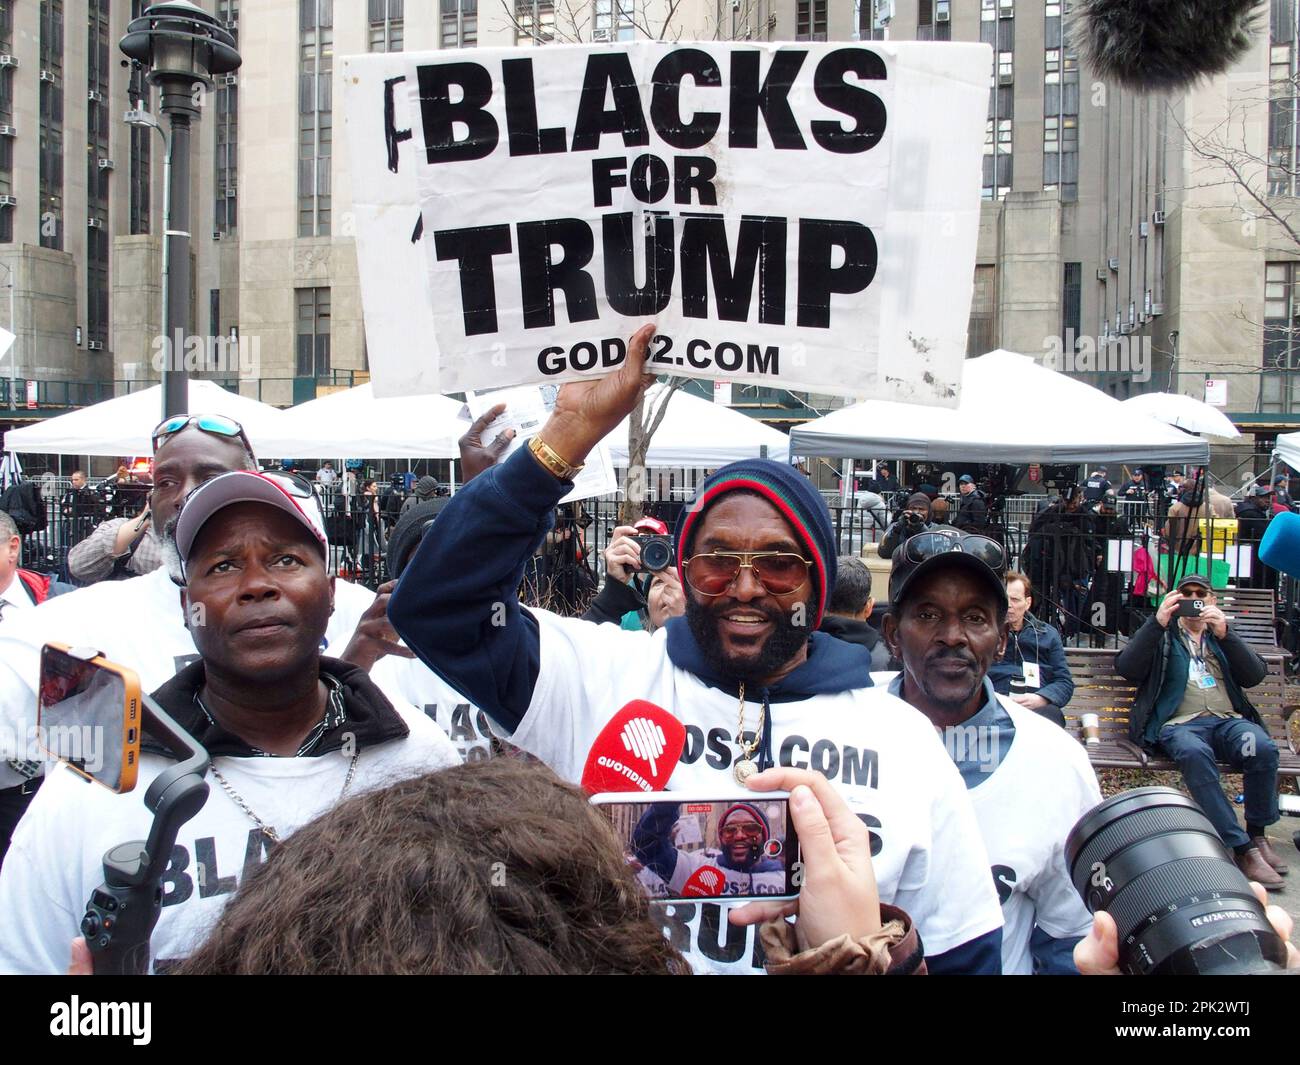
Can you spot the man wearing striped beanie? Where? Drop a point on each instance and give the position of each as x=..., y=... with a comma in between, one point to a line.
x=745, y=671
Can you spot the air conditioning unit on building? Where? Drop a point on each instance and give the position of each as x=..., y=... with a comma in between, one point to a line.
x=1101, y=275
x=942, y=13
x=94, y=223
x=105, y=164
x=228, y=79
x=1157, y=309
x=47, y=75
x=1157, y=218
x=7, y=60
x=600, y=35
x=95, y=95
x=95, y=345
x=1125, y=328
x=8, y=131
x=216, y=234
x=1006, y=79
x=8, y=201
x=1113, y=264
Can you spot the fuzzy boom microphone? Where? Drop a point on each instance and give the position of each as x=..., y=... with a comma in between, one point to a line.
x=1162, y=45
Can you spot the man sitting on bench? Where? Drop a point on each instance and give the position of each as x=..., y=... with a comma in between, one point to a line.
x=1192, y=669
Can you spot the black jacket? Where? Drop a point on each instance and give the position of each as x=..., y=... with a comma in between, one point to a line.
x=614, y=600
x=972, y=511
x=851, y=630
x=1252, y=521
x=1145, y=661
x=898, y=531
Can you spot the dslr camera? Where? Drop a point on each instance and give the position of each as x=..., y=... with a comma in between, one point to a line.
x=655, y=544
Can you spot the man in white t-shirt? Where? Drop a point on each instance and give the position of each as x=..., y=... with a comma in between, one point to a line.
x=139, y=622
x=745, y=670
x=290, y=733
x=1029, y=780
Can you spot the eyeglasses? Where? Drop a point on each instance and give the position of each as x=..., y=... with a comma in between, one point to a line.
x=217, y=424
x=779, y=572
x=927, y=545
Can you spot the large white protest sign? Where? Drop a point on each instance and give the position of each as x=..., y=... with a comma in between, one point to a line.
x=789, y=215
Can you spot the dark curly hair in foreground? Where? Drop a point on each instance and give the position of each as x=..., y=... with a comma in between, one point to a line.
x=490, y=867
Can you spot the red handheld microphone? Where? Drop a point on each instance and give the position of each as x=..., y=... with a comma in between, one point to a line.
x=637, y=750
x=705, y=883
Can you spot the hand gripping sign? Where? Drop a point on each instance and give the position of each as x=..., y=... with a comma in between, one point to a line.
x=791, y=215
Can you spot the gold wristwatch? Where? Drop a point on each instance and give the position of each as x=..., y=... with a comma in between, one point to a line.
x=551, y=460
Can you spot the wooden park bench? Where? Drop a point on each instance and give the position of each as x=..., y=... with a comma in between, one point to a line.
x=1253, y=615
x=1099, y=690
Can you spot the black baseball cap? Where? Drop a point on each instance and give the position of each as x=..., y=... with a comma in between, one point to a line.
x=972, y=557
x=1261, y=490
x=1195, y=578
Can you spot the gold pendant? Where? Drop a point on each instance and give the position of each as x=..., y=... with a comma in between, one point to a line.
x=743, y=770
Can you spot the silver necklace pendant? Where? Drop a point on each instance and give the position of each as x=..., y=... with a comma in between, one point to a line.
x=743, y=770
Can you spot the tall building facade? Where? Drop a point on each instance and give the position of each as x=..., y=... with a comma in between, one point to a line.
x=1108, y=231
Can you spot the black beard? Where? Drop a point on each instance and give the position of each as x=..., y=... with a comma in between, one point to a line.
x=781, y=646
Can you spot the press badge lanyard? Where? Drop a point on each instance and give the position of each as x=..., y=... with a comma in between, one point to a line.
x=1203, y=677
x=1029, y=672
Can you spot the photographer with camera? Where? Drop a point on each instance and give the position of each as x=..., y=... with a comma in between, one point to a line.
x=914, y=519
x=641, y=589
x=1191, y=705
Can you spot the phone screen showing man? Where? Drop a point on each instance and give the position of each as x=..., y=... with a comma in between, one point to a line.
x=733, y=848
x=80, y=718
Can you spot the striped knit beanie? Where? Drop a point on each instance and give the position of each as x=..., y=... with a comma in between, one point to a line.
x=798, y=502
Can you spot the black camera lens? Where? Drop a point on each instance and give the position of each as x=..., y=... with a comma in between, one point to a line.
x=656, y=553
x=1151, y=859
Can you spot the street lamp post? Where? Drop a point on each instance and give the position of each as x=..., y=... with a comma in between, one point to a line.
x=182, y=46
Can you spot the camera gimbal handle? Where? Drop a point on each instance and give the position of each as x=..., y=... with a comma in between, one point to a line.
x=122, y=912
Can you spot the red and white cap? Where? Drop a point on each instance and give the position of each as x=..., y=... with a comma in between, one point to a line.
x=290, y=494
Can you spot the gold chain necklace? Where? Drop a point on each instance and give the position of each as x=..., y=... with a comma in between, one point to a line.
x=744, y=767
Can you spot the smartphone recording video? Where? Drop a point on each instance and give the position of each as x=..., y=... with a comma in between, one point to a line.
x=88, y=715
x=691, y=849
x=1190, y=608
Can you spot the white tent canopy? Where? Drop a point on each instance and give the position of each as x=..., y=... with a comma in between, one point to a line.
x=1012, y=409
x=354, y=424
x=1184, y=412
x=1287, y=449
x=120, y=427
x=700, y=434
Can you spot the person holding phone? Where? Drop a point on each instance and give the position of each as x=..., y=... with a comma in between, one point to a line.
x=290, y=732
x=1192, y=671
x=745, y=670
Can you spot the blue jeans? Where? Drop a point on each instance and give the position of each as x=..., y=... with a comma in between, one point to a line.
x=1198, y=744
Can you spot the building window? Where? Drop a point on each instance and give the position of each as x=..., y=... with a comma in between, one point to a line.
x=313, y=332
x=225, y=203
x=386, y=27
x=980, y=334
x=997, y=29
x=460, y=23
x=810, y=20
x=1071, y=304
x=51, y=125
x=535, y=21
x=97, y=173
x=869, y=27
x=1284, y=99
x=1279, y=385
x=1060, y=108
x=615, y=20
x=943, y=20
x=315, y=116
x=141, y=147
x=925, y=20
x=7, y=119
